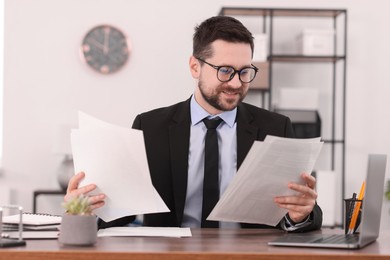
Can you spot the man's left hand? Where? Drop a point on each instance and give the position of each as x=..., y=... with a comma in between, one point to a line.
x=301, y=205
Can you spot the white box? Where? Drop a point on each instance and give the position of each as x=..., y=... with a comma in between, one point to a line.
x=317, y=42
x=260, y=51
x=298, y=99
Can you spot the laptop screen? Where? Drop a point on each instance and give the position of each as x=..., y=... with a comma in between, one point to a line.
x=373, y=198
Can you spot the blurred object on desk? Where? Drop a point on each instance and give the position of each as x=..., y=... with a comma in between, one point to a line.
x=61, y=147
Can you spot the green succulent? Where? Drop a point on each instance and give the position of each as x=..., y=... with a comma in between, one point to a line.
x=387, y=192
x=77, y=206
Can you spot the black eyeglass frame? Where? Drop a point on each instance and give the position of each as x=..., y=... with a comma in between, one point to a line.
x=234, y=73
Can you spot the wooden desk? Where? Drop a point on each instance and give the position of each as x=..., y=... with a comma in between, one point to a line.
x=204, y=244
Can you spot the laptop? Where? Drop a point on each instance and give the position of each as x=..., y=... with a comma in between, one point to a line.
x=370, y=220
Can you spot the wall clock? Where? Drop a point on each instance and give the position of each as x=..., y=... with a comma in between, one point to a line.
x=105, y=49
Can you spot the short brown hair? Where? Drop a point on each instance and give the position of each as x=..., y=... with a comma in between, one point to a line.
x=219, y=28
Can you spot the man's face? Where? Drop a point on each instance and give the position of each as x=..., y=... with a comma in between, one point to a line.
x=216, y=96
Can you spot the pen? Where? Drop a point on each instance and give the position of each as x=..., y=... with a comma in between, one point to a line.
x=351, y=203
x=350, y=209
x=356, y=210
x=354, y=196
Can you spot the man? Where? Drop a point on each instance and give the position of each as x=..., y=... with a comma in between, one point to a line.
x=174, y=136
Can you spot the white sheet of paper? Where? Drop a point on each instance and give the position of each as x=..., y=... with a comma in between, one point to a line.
x=264, y=174
x=114, y=158
x=145, y=232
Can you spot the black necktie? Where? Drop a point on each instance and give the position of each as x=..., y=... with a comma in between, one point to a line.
x=210, y=182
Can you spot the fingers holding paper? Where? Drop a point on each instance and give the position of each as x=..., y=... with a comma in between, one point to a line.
x=301, y=205
x=95, y=201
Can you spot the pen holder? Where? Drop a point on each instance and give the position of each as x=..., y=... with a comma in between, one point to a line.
x=350, y=205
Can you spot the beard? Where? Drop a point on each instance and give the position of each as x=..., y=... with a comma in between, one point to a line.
x=215, y=99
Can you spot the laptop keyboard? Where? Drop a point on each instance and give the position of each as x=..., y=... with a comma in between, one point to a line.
x=337, y=239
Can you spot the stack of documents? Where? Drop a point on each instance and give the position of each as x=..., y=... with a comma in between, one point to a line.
x=35, y=226
x=114, y=158
x=37, y=222
x=265, y=174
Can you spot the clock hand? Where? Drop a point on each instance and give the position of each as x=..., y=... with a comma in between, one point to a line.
x=106, y=32
x=97, y=44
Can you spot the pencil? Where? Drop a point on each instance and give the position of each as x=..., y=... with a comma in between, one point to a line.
x=356, y=210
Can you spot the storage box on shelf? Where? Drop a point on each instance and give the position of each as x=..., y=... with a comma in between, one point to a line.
x=316, y=42
x=261, y=80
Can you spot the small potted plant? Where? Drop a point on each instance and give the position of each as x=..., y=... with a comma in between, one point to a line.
x=387, y=191
x=78, y=225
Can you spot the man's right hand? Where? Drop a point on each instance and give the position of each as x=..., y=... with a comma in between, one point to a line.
x=95, y=201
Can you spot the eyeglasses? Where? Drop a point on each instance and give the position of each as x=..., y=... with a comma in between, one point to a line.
x=227, y=73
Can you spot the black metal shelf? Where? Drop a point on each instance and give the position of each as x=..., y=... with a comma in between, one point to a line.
x=297, y=12
x=339, y=58
x=304, y=58
x=333, y=141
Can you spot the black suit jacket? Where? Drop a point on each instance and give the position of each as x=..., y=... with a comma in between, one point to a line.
x=167, y=134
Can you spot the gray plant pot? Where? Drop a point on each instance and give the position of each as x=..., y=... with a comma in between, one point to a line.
x=80, y=230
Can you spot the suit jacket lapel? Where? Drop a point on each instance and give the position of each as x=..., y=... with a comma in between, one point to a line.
x=179, y=138
x=246, y=133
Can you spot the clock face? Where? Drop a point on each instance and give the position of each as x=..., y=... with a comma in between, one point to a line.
x=105, y=49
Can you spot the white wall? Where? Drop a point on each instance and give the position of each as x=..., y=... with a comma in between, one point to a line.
x=1, y=73
x=46, y=82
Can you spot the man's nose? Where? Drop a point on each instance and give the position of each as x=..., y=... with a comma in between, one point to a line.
x=235, y=82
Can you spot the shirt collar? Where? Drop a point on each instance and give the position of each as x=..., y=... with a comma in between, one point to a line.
x=198, y=114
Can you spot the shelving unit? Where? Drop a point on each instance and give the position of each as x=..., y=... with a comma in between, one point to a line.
x=334, y=137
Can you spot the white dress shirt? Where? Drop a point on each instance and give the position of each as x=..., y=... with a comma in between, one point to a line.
x=227, y=143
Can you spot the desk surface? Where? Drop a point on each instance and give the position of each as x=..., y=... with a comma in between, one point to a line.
x=204, y=244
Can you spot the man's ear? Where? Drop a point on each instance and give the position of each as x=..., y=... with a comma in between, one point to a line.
x=194, y=67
